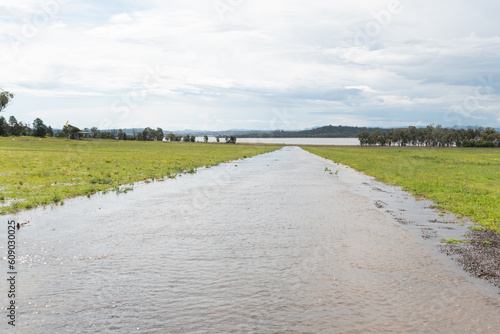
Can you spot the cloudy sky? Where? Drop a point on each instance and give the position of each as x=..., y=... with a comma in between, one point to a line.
x=251, y=64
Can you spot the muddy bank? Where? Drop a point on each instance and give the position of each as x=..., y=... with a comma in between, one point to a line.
x=479, y=257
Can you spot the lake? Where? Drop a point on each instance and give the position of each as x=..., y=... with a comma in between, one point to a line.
x=294, y=141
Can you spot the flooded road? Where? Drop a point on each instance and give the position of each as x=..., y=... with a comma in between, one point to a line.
x=285, y=242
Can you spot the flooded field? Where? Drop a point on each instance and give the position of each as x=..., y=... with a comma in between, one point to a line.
x=284, y=242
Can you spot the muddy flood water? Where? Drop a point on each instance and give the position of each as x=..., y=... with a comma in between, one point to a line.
x=269, y=244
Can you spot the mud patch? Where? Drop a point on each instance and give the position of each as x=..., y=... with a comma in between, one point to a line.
x=428, y=233
x=480, y=257
x=403, y=221
x=380, y=204
x=435, y=221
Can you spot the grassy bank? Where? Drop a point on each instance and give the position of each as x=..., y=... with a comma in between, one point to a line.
x=460, y=180
x=37, y=172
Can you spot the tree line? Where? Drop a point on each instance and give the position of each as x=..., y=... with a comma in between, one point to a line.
x=147, y=134
x=15, y=128
x=433, y=136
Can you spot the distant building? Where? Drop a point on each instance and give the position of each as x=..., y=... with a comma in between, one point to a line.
x=80, y=135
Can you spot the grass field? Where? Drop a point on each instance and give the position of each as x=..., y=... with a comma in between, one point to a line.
x=37, y=172
x=461, y=180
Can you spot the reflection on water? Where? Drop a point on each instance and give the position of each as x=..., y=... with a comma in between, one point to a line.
x=270, y=244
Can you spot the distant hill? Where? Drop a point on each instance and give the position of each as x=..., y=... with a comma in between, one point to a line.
x=328, y=131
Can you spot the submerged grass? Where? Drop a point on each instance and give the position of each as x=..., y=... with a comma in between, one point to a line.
x=465, y=181
x=37, y=172
x=455, y=241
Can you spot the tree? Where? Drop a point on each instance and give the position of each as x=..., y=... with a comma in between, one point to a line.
x=421, y=135
x=121, y=135
x=231, y=140
x=171, y=136
x=5, y=99
x=413, y=135
x=12, y=121
x=108, y=135
x=159, y=134
x=383, y=138
x=147, y=134
x=193, y=139
x=4, y=127
x=217, y=139
x=24, y=129
x=16, y=129
x=39, y=128
x=488, y=134
x=186, y=138
x=363, y=137
x=95, y=132
x=372, y=139
x=50, y=131
x=205, y=138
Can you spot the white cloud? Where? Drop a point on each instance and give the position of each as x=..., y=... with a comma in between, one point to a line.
x=259, y=55
x=122, y=18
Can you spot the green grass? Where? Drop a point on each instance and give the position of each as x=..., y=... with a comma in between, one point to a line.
x=37, y=172
x=455, y=241
x=465, y=181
